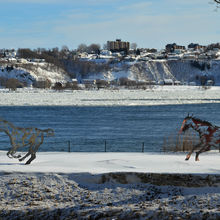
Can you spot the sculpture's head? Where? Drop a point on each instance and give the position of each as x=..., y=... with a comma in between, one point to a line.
x=50, y=132
x=187, y=123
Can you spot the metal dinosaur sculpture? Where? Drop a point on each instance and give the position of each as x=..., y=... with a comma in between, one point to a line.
x=22, y=137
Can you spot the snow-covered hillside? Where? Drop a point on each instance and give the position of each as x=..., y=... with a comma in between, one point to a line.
x=156, y=70
x=32, y=71
x=185, y=71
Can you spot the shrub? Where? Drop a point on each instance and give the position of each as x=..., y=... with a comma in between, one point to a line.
x=13, y=84
x=177, y=143
x=58, y=86
x=42, y=84
x=101, y=83
x=72, y=85
x=123, y=81
x=3, y=81
x=198, y=65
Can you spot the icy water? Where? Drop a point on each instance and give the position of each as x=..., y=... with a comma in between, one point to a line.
x=106, y=128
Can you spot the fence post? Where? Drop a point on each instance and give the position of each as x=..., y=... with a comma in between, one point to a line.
x=143, y=147
x=69, y=146
x=105, y=146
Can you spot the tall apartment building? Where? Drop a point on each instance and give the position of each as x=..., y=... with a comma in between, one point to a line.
x=172, y=47
x=118, y=46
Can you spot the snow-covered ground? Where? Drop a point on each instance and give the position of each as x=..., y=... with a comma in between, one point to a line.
x=159, y=95
x=96, y=163
x=110, y=186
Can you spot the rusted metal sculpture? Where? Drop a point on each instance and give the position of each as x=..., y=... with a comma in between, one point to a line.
x=23, y=137
x=209, y=134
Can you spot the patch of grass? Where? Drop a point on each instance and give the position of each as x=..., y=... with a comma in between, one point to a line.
x=180, y=143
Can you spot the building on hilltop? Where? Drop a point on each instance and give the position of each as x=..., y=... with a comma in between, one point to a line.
x=196, y=46
x=118, y=46
x=8, y=53
x=172, y=48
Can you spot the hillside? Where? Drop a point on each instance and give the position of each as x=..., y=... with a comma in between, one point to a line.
x=185, y=71
x=30, y=72
x=156, y=70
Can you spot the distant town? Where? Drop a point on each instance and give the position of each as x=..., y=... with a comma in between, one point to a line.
x=118, y=48
x=91, y=64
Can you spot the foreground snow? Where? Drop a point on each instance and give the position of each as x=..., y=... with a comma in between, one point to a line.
x=110, y=186
x=160, y=95
x=95, y=163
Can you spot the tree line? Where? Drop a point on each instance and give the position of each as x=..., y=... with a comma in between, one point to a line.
x=65, y=58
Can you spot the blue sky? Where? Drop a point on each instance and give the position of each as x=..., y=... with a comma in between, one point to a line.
x=149, y=23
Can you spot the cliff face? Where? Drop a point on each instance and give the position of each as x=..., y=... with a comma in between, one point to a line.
x=184, y=71
x=155, y=70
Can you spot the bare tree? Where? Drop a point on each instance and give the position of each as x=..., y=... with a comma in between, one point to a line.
x=105, y=46
x=94, y=48
x=64, y=52
x=65, y=48
x=42, y=84
x=133, y=46
x=217, y=2
x=82, y=48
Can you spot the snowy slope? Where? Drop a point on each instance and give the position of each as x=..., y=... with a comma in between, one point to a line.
x=30, y=72
x=153, y=70
x=156, y=70
x=20, y=74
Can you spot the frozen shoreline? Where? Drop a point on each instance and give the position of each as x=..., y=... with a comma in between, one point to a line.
x=159, y=95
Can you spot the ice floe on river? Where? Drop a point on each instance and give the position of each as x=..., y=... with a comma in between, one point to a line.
x=159, y=95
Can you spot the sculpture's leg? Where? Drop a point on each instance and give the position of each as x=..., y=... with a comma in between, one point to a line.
x=12, y=151
x=17, y=156
x=26, y=155
x=30, y=150
x=194, y=148
x=33, y=156
x=9, y=154
x=204, y=149
x=33, y=153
